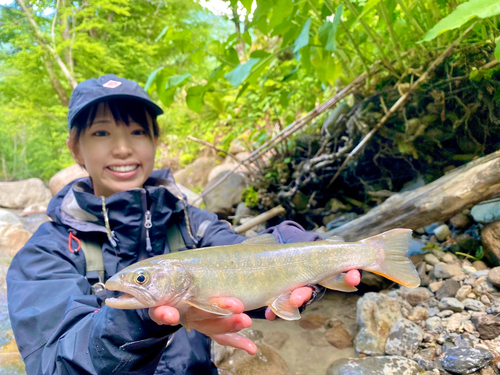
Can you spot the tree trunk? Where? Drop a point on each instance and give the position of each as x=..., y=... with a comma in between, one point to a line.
x=461, y=188
x=54, y=81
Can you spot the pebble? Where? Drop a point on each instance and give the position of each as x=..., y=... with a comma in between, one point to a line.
x=469, y=269
x=418, y=295
x=485, y=300
x=494, y=276
x=431, y=259
x=418, y=314
x=480, y=274
x=474, y=305
x=459, y=221
x=433, y=324
x=448, y=289
x=442, y=232
x=463, y=292
x=404, y=338
x=451, y=303
x=381, y=365
x=454, y=323
x=445, y=271
x=438, y=253
x=445, y=313
x=479, y=265
x=433, y=311
x=465, y=360
x=449, y=258
x=435, y=285
x=487, y=325
x=339, y=337
x=484, y=286
x=313, y=321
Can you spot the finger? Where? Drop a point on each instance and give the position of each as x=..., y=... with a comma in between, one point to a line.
x=230, y=324
x=301, y=295
x=270, y=315
x=236, y=341
x=353, y=277
x=233, y=305
x=164, y=315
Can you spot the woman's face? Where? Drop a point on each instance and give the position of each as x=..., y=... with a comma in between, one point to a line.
x=117, y=157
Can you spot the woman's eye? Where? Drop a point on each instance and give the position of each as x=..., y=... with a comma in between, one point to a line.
x=101, y=133
x=139, y=132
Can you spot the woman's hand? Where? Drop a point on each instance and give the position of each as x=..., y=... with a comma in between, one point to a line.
x=302, y=295
x=219, y=328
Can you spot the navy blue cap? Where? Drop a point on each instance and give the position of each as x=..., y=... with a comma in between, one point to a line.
x=103, y=88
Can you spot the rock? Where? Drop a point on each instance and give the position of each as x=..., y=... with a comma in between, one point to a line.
x=480, y=265
x=314, y=338
x=445, y=313
x=454, y=323
x=404, y=338
x=418, y=295
x=313, y=321
x=466, y=340
x=474, y=305
x=482, y=285
x=13, y=236
x=35, y=208
x=376, y=314
x=429, y=229
x=341, y=220
x=449, y=289
x=339, y=337
x=195, y=175
x=32, y=222
x=459, y=221
x=65, y=176
x=276, y=339
x=228, y=194
x=465, y=360
x=490, y=237
x=434, y=286
x=433, y=324
x=442, y=232
x=446, y=271
x=191, y=196
x=438, y=253
x=236, y=147
x=467, y=242
x=479, y=274
x=486, y=212
x=19, y=194
x=450, y=303
x=418, y=314
x=431, y=259
x=463, y=292
x=385, y=365
x=487, y=325
x=265, y=362
x=449, y=258
x=229, y=164
x=428, y=359
x=415, y=247
x=495, y=307
x=484, y=299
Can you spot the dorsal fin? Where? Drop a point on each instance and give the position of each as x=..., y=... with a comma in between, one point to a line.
x=264, y=239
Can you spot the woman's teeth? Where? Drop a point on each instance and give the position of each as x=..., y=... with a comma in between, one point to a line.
x=125, y=168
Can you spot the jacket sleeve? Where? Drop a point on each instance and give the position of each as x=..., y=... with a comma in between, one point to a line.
x=60, y=327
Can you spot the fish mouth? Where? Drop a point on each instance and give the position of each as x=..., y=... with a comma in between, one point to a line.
x=131, y=299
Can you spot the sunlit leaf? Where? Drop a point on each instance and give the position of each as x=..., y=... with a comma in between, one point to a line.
x=194, y=98
x=497, y=51
x=152, y=78
x=464, y=13
x=163, y=32
x=303, y=38
x=247, y=4
x=367, y=8
x=241, y=72
x=177, y=80
x=259, y=54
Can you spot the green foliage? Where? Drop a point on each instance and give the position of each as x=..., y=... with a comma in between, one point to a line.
x=250, y=197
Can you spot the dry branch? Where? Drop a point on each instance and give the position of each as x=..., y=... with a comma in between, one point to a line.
x=461, y=188
x=262, y=218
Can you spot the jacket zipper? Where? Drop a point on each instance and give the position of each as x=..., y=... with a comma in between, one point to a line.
x=148, y=224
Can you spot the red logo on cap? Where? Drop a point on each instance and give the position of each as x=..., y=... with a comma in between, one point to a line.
x=111, y=84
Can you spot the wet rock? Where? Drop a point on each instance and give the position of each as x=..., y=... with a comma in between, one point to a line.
x=385, y=365
x=467, y=242
x=376, y=314
x=404, y=338
x=474, y=305
x=460, y=221
x=431, y=259
x=442, y=232
x=490, y=237
x=314, y=338
x=487, y=325
x=486, y=212
x=450, y=303
x=446, y=271
x=465, y=360
x=339, y=337
x=19, y=194
x=448, y=289
x=313, y=321
x=418, y=295
x=276, y=339
x=494, y=276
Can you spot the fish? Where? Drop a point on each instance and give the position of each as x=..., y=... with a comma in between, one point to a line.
x=259, y=272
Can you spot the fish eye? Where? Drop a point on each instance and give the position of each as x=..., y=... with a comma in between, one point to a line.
x=141, y=277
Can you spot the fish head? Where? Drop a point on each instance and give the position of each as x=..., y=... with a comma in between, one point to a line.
x=149, y=283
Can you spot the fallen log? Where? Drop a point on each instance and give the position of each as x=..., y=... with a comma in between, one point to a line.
x=262, y=218
x=460, y=188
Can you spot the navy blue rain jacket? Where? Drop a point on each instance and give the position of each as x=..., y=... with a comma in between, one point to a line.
x=61, y=328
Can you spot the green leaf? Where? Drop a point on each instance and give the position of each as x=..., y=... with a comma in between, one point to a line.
x=464, y=13
x=330, y=44
x=241, y=72
x=259, y=54
x=303, y=38
x=497, y=51
x=152, y=78
x=194, y=98
x=247, y=38
x=480, y=253
x=166, y=94
x=367, y=8
x=177, y=80
x=247, y=4
x=163, y=32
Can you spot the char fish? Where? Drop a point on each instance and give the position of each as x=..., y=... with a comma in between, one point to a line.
x=259, y=272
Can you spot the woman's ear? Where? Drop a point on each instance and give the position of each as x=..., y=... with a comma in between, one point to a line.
x=75, y=152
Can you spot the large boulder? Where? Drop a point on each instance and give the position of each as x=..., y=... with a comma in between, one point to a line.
x=386, y=365
x=195, y=175
x=490, y=236
x=65, y=176
x=191, y=196
x=486, y=212
x=19, y=194
x=229, y=164
x=228, y=194
x=13, y=236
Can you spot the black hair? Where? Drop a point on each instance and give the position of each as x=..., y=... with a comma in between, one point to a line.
x=122, y=110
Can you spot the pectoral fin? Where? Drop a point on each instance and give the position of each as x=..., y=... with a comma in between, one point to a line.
x=282, y=307
x=208, y=307
x=337, y=283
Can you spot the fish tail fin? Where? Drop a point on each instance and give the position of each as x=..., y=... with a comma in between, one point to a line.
x=393, y=263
